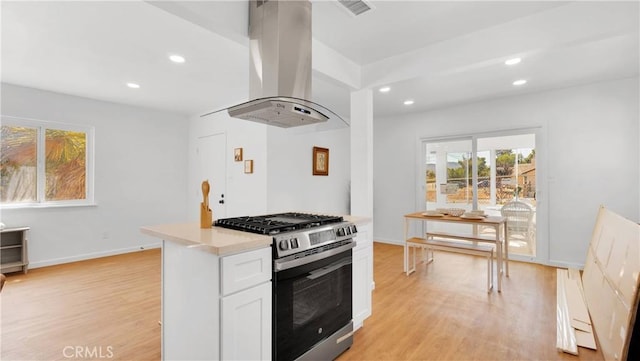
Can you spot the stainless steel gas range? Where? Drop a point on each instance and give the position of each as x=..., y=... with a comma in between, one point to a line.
x=312, y=282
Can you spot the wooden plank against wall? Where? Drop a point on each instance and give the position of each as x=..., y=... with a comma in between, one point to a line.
x=610, y=280
x=565, y=335
x=580, y=319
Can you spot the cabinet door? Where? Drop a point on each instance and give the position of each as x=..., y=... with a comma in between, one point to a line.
x=362, y=281
x=246, y=324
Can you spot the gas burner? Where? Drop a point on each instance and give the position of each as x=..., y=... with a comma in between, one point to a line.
x=276, y=223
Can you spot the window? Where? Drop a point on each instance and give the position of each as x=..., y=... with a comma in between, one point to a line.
x=45, y=163
x=458, y=177
x=514, y=171
x=484, y=176
x=431, y=176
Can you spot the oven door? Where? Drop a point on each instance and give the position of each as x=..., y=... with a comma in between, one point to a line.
x=311, y=302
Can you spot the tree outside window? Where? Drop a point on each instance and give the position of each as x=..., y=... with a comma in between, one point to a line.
x=18, y=164
x=41, y=164
x=511, y=179
x=65, y=168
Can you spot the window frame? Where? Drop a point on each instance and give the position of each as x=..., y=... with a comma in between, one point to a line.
x=41, y=127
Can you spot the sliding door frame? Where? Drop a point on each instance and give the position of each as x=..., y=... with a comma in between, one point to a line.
x=542, y=200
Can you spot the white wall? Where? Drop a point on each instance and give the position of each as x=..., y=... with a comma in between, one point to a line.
x=282, y=158
x=588, y=155
x=291, y=184
x=140, y=177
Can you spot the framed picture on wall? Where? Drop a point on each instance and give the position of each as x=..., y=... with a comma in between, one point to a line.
x=248, y=166
x=237, y=154
x=320, y=161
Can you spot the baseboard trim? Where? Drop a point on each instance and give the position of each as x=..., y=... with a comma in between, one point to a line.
x=87, y=256
x=560, y=264
x=389, y=241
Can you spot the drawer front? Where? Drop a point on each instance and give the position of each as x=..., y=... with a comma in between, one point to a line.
x=244, y=270
x=363, y=240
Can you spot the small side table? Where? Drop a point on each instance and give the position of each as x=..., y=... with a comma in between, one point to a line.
x=13, y=250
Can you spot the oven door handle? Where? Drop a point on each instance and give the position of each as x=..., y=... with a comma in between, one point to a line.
x=330, y=268
x=283, y=264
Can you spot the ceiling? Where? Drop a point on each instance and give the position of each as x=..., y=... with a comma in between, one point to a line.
x=439, y=54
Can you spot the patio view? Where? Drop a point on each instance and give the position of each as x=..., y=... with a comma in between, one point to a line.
x=515, y=177
x=502, y=172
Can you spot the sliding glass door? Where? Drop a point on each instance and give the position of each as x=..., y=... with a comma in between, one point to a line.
x=448, y=172
x=486, y=173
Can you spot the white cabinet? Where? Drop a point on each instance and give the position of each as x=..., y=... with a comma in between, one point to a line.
x=362, y=276
x=13, y=250
x=215, y=308
x=246, y=306
x=246, y=324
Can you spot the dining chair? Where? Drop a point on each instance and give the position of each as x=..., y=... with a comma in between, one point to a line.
x=519, y=217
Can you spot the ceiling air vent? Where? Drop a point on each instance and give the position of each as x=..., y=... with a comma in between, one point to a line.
x=355, y=7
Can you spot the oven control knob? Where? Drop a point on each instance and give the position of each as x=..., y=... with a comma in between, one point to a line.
x=348, y=230
x=284, y=245
x=340, y=232
x=294, y=243
x=354, y=229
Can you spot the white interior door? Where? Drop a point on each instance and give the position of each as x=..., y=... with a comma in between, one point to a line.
x=212, y=165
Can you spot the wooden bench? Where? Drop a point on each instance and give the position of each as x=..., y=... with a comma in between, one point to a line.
x=465, y=237
x=429, y=244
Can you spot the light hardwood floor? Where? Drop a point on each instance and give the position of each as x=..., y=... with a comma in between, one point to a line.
x=441, y=312
x=107, y=307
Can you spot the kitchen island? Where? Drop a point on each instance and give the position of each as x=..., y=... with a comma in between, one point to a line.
x=217, y=291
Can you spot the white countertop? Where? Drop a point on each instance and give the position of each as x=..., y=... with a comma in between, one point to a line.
x=358, y=221
x=218, y=240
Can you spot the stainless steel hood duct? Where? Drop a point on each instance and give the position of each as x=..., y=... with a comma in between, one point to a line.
x=280, y=67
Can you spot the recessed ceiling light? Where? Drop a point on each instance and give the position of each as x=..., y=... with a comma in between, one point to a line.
x=513, y=61
x=133, y=85
x=177, y=58
x=384, y=89
x=520, y=82
x=408, y=102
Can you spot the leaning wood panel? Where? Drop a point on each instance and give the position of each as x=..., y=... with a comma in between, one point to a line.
x=610, y=280
x=580, y=320
x=585, y=339
x=565, y=335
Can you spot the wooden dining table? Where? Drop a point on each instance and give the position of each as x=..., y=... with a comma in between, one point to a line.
x=498, y=223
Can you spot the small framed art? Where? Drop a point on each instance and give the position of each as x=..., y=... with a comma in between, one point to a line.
x=320, y=161
x=248, y=166
x=237, y=154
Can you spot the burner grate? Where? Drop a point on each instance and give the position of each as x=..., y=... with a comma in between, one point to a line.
x=276, y=223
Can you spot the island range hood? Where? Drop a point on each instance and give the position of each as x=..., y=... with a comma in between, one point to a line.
x=280, y=67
